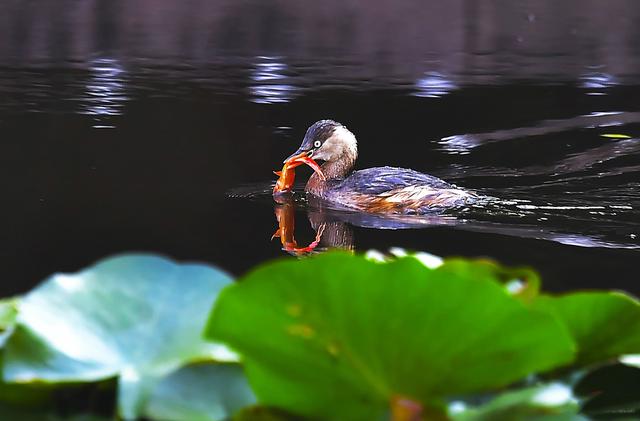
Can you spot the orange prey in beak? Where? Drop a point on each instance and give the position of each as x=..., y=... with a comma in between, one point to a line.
x=287, y=175
x=304, y=158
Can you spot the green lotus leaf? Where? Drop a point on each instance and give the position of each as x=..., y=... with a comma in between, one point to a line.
x=521, y=282
x=260, y=413
x=340, y=337
x=604, y=325
x=137, y=317
x=25, y=395
x=8, y=313
x=37, y=414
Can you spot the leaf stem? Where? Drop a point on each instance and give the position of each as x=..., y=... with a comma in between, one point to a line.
x=407, y=409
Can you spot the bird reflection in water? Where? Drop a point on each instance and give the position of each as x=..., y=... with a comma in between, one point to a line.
x=329, y=233
x=335, y=228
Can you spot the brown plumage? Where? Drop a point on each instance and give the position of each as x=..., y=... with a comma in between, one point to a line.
x=376, y=190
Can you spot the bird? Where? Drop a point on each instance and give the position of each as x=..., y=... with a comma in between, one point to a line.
x=383, y=190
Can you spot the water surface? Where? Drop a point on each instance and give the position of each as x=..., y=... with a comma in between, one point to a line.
x=137, y=126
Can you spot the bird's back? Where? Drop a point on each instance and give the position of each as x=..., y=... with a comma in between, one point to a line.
x=395, y=190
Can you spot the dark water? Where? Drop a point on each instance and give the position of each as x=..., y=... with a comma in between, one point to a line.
x=155, y=125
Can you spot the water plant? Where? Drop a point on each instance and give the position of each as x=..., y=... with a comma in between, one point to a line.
x=334, y=336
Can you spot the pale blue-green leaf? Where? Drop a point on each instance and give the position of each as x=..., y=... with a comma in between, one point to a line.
x=137, y=316
x=200, y=392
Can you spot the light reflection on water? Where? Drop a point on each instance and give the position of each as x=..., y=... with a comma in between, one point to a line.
x=270, y=83
x=106, y=92
x=434, y=85
x=463, y=144
x=596, y=83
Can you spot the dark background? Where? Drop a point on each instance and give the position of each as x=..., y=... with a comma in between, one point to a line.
x=130, y=125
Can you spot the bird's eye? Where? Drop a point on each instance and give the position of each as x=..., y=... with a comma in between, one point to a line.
x=317, y=144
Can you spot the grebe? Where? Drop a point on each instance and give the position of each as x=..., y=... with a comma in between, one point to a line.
x=378, y=190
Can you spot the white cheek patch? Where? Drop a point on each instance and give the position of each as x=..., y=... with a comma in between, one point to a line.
x=329, y=149
x=342, y=142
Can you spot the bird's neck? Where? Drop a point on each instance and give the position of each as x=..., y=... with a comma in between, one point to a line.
x=332, y=170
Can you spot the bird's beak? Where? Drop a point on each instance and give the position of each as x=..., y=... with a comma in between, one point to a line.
x=303, y=157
